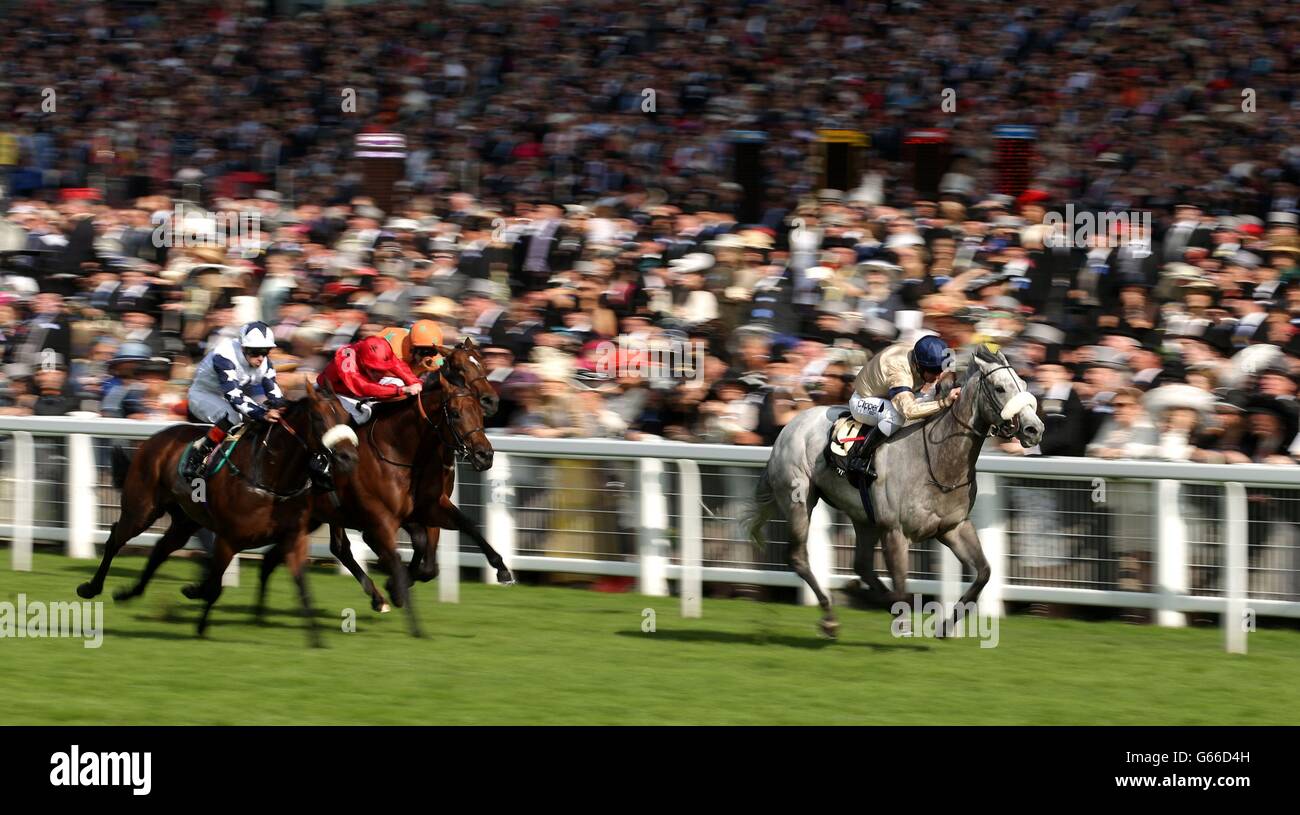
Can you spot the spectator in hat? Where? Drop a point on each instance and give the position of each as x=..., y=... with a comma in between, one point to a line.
x=53, y=396
x=122, y=370
x=1127, y=432
x=1269, y=434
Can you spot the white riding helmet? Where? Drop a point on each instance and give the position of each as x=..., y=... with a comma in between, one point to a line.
x=256, y=335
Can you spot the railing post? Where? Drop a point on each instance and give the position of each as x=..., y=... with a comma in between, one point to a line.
x=82, y=477
x=230, y=578
x=1171, y=554
x=990, y=521
x=24, y=476
x=500, y=522
x=820, y=552
x=1235, y=565
x=692, y=537
x=652, y=538
x=449, y=558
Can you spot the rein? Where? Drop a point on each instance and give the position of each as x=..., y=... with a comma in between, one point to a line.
x=1004, y=430
x=255, y=476
x=459, y=441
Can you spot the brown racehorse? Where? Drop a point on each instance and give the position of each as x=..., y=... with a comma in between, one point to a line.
x=405, y=448
x=262, y=495
x=464, y=366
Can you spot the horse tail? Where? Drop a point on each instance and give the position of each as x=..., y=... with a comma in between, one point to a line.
x=756, y=513
x=120, y=459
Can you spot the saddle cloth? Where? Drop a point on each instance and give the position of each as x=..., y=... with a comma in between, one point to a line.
x=846, y=434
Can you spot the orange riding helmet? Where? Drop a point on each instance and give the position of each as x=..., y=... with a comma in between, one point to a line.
x=420, y=347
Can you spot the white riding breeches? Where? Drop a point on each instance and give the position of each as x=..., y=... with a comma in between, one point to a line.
x=212, y=408
x=875, y=411
x=358, y=409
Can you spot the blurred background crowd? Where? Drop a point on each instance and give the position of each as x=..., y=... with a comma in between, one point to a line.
x=549, y=206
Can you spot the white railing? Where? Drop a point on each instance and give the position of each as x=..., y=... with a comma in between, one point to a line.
x=1174, y=539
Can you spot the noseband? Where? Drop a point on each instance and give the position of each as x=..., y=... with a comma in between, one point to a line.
x=1010, y=415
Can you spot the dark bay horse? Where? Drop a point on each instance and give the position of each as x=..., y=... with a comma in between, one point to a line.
x=407, y=451
x=261, y=495
x=925, y=486
x=464, y=367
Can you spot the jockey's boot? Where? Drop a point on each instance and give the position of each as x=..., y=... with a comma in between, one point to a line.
x=203, y=448
x=860, y=461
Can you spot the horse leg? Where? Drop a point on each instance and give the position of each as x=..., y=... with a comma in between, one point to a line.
x=399, y=583
x=295, y=557
x=273, y=557
x=866, y=538
x=895, y=545
x=135, y=518
x=800, y=514
x=341, y=548
x=424, y=556
x=965, y=544
x=182, y=527
x=463, y=523
x=222, y=554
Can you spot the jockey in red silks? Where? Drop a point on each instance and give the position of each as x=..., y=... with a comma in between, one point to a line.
x=368, y=369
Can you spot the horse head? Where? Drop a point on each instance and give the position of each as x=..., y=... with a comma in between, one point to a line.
x=465, y=367
x=462, y=419
x=1003, y=402
x=329, y=427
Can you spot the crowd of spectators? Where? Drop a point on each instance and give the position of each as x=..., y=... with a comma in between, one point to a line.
x=551, y=214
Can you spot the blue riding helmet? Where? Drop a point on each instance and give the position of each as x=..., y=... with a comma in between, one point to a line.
x=930, y=353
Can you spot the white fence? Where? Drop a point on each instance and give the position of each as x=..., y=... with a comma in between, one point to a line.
x=1169, y=538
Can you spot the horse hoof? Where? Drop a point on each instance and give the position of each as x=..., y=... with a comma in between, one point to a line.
x=830, y=629
x=122, y=595
x=505, y=578
x=192, y=592
x=88, y=590
x=384, y=608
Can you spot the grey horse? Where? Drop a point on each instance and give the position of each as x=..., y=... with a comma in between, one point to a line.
x=925, y=485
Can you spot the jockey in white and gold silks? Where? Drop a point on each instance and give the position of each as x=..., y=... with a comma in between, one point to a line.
x=885, y=392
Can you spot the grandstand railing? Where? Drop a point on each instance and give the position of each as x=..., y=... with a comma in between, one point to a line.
x=1165, y=538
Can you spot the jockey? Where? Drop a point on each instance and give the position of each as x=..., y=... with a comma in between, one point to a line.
x=884, y=393
x=418, y=346
x=368, y=369
x=226, y=384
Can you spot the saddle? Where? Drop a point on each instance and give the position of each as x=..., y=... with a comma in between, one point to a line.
x=219, y=456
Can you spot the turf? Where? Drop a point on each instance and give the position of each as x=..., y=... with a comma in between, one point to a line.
x=527, y=654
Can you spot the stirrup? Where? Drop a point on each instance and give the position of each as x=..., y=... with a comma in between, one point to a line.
x=195, y=463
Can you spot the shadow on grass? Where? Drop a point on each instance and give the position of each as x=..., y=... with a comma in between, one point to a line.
x=810, y=642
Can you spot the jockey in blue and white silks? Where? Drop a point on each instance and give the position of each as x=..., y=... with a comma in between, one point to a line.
x=227, y=386
x=885, y=393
